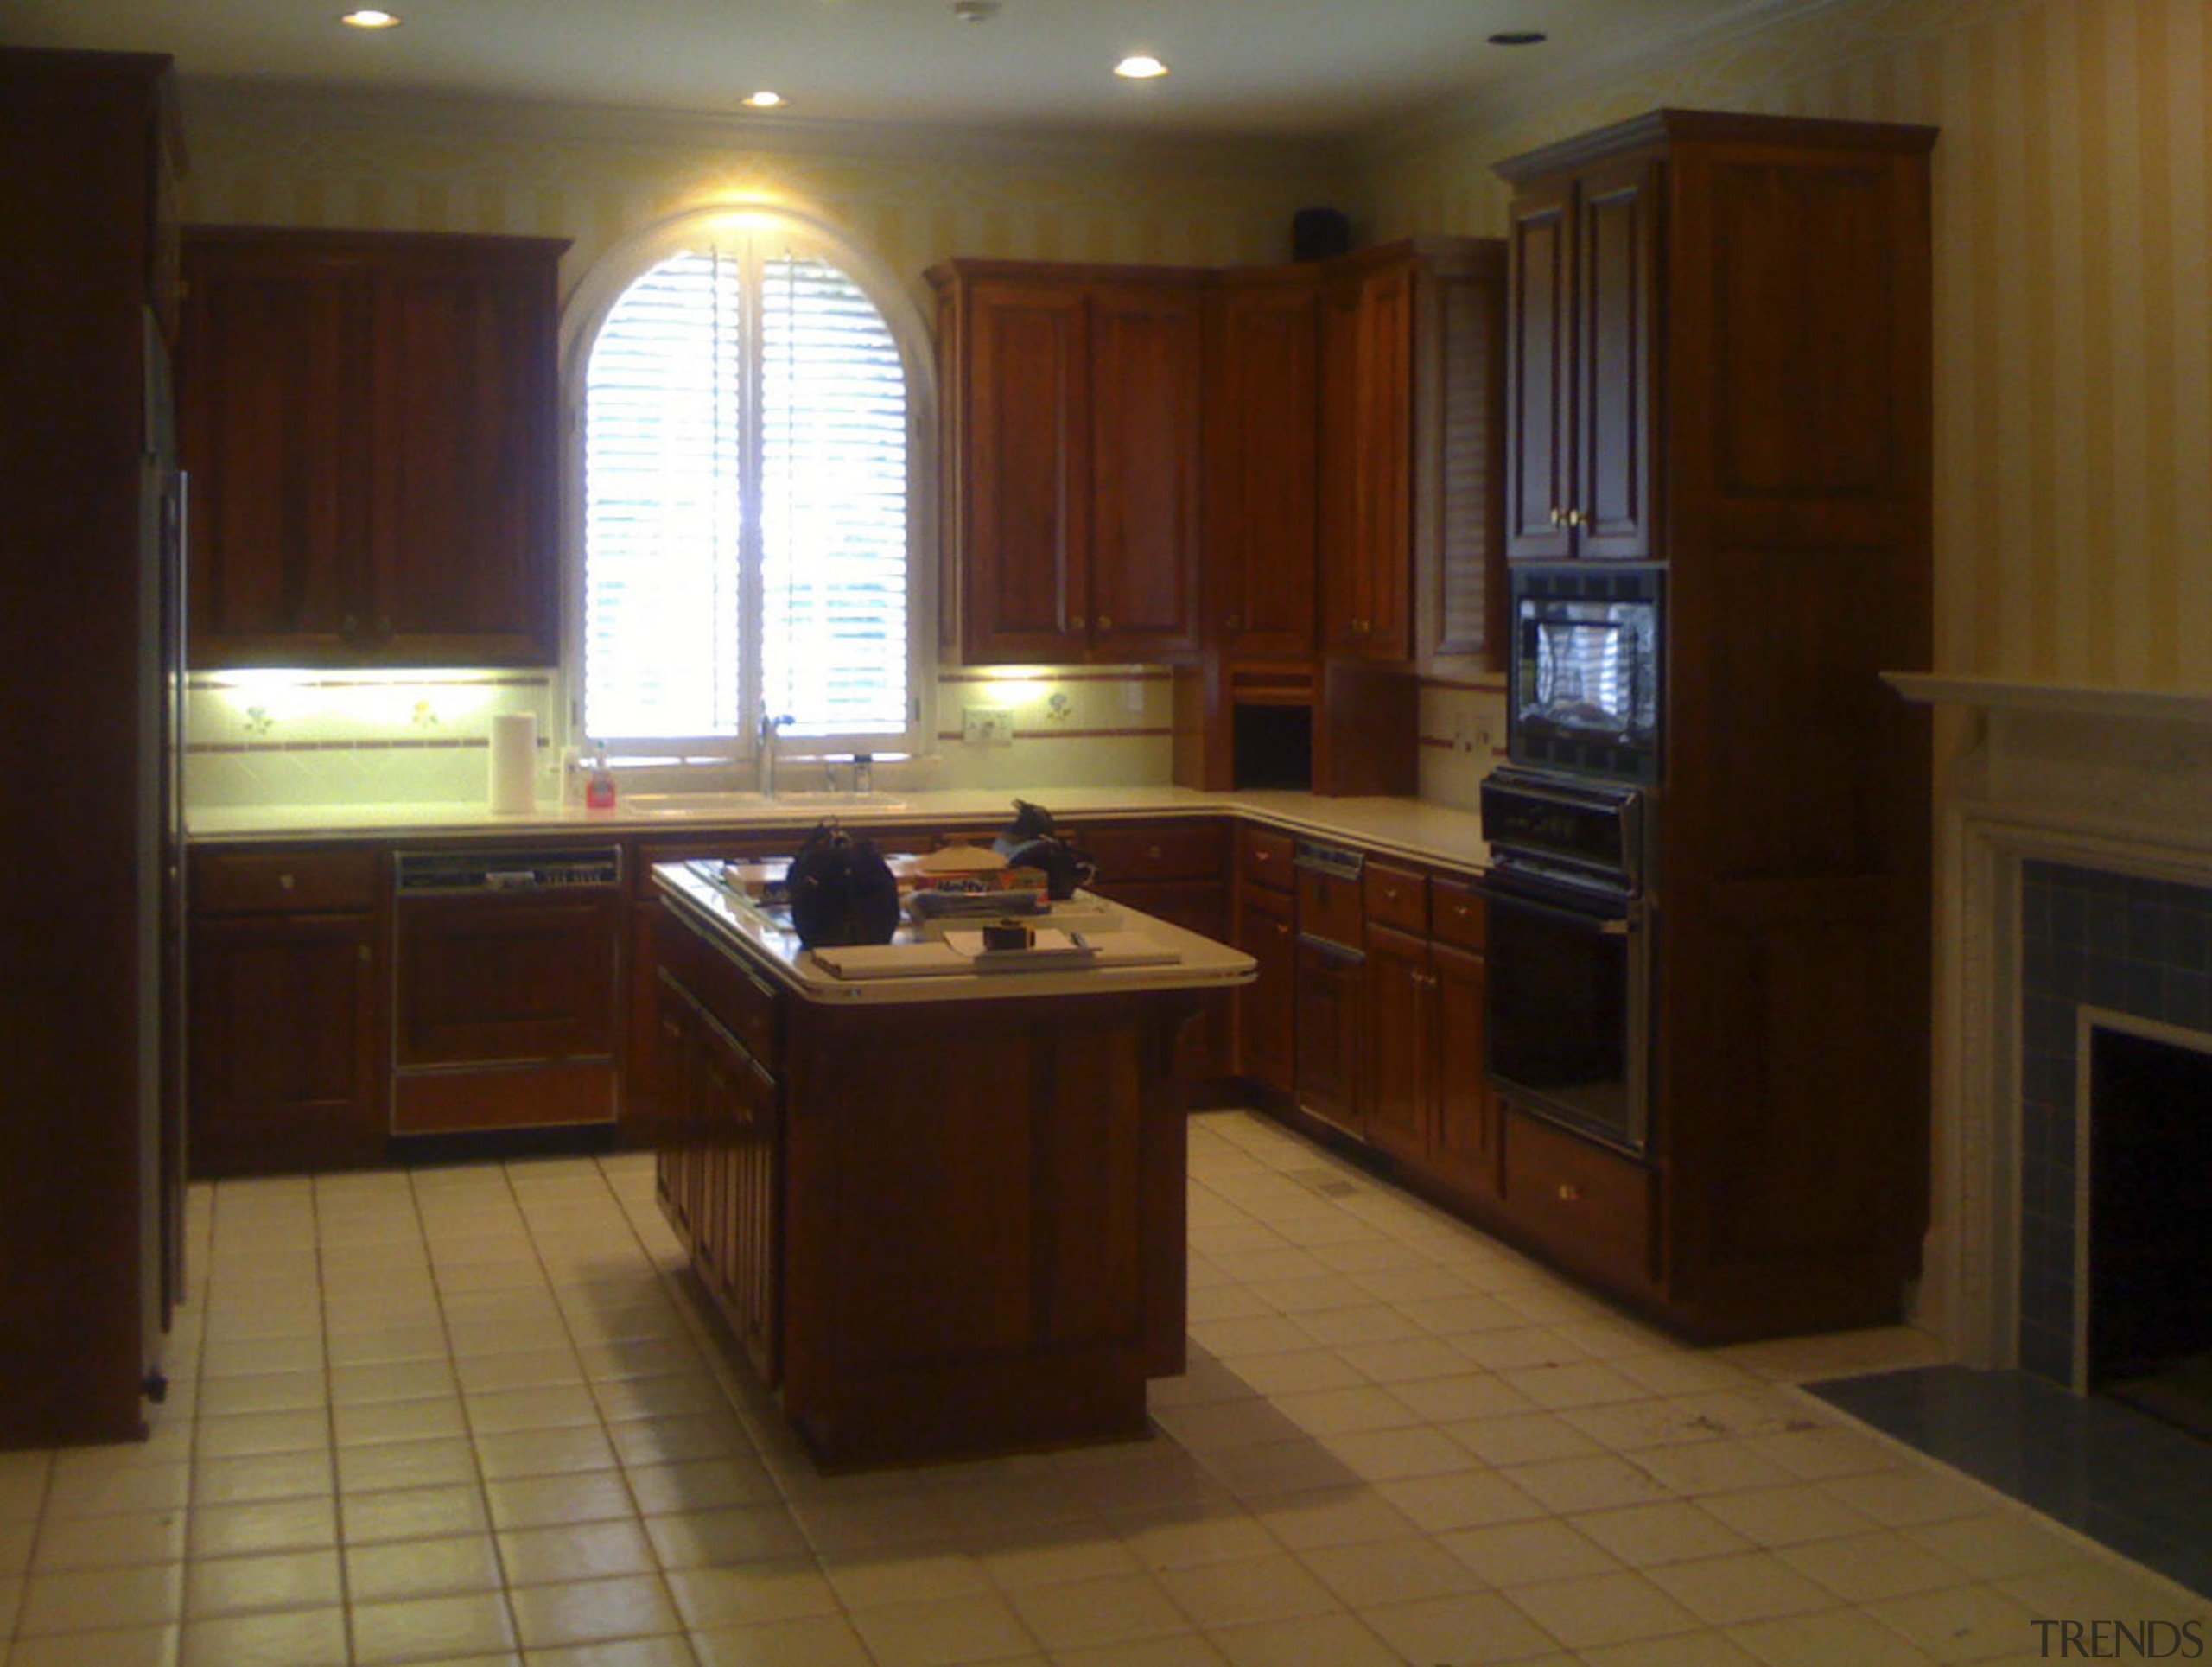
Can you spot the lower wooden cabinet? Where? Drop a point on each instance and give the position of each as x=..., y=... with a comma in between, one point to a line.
x=720, y=1154
x=285, y=1013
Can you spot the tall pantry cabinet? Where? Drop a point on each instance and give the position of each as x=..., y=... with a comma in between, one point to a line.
x=1719, y=359
x=89, y=1186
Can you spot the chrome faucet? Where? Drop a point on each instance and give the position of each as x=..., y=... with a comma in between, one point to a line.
x=765, y=761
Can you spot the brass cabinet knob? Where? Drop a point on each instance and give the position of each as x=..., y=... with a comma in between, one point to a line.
x=1559, y=516
x=285, y=882
x=1569, y=1192
x=1105, y=624
x=1232, y=623
x=1077, y=623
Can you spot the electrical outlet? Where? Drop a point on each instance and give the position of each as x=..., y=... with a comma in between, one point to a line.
x=987, y=726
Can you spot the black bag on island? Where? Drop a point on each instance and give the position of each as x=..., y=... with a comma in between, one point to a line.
x=841, y=891
x=1032, y=843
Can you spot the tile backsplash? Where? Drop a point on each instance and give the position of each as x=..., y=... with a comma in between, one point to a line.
x=336, y=738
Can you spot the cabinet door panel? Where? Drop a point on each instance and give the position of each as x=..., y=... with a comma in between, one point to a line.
x=1265, y=1008
x=278, y=515
x=1260, y=460
x=464, y=408
x=1539, y=394
x=283, y=1045
x=1400, y=1033
x=1464, y=1150
x=1144, y=383
x=1026, y=482
x=1616, y=252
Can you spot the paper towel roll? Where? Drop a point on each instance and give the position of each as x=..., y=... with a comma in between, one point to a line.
x=514, y=762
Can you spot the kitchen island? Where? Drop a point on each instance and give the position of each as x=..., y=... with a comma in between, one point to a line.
x=943, y=1211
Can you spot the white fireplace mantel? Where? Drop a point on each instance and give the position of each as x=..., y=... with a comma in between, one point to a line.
x=2111, y=778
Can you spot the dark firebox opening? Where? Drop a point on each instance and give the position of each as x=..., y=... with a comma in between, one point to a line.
x=2149, y=1320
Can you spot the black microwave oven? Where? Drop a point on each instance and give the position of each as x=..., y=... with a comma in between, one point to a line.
x=1588, y=647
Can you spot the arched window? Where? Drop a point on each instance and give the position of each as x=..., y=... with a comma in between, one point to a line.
x=748, y=428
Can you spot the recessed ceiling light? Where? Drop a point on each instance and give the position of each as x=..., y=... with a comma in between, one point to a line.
x=369, y=17
x=764, y=99
x=1140, y=67
x=1519, y=37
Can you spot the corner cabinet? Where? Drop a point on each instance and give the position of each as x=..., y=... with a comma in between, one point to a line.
x=1072, y=460
x=372, y=424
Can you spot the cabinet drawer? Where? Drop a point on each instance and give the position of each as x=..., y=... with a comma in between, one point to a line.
x=1590, y=1207
x=1158, y=850
x=1397, y=897
x=1263, y=858
x=283, y=881
x=1456, y=913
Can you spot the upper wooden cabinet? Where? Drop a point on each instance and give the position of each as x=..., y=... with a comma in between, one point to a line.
x=1585, y=290
x=1354, y=459
x=1262, y=449
x=372, y=424
x=1072, y=400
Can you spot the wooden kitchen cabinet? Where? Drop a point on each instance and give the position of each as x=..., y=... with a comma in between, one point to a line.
x=1580, y=366
x=719, y=1134
x=1263, y=452
x=1266, y=930
x=1411, y=388
x=372, y=424
x=285, y=1017
x=1073, y=401
x=1464, y=1145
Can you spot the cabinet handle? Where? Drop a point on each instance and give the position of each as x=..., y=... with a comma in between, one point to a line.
x=1076, y=624
x=363, y=954
x=285, y=882
x=1232, y=623
x=1105, y=624
x=1576, y=517
x=1569, y=1192
x=1559, y=516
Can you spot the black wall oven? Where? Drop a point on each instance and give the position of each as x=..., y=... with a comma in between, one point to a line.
x=1570, y=935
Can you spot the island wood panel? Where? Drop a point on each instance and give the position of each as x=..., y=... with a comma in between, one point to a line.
x=985, y=1216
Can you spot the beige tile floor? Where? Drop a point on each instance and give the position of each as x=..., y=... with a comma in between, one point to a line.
x=473, y=1416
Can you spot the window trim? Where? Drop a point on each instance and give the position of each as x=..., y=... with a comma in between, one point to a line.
x=609, y=278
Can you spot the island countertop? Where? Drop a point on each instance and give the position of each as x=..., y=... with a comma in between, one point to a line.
x=763, y=940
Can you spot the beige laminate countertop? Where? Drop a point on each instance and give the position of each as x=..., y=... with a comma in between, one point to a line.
x=1402, y=827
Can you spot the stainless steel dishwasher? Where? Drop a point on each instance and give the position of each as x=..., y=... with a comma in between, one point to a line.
x=506, y=988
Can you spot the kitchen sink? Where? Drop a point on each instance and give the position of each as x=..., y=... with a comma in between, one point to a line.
x=827, y=799
x=730, y=803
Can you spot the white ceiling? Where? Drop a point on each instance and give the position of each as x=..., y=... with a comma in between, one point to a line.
x=1247, y=68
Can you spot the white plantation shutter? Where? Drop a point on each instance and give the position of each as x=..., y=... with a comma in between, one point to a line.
x=833, y=504
x=745, y=505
